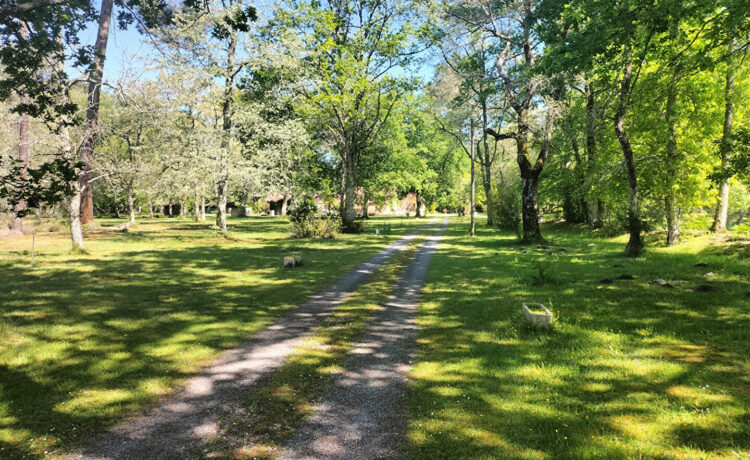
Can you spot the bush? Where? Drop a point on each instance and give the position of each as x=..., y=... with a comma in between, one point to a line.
x=507, y=207
x=308, y=223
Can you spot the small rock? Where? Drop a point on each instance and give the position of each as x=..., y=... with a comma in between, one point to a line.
x=626, y=277
x=702, y=288
x=660, y=282
x=606, y=281
x=709, y=274
x=701, y=264
x=591, y=245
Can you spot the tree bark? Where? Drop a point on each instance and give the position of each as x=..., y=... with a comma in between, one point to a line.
x=472, y=228
x=348, y=215
x=131, y=202
x=226, y=113
x=417, y=209
x=487, y=168
x=722, y=205
x=150, y=208
x=197, y=204
x=92, y=113
x=593, y=203
x=670, y=200
x=635, y=244
x=23, y=157
x=530, y=178
x=203, y=207
x=284, y=204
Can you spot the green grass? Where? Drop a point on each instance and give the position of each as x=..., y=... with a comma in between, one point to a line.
x=273, y=412
x=629, y=370
x=87, y=339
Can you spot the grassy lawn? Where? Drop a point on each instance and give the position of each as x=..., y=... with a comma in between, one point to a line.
x=85, y=340
x=630, y=370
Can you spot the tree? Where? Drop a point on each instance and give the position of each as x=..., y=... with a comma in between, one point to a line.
x=621, y=38
x=511, y=27
x=351, y=51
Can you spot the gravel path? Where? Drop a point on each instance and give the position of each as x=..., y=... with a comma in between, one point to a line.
x=362, y=416
x=177, y=428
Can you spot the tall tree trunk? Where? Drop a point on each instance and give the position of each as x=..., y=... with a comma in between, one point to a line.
x=722, y=205
x=347, y=216
x=222, y=183
x=285, y=204
x=131, y=202
x=670, y=200
x=487, y=168
x=169, y=209
x=635, y=244
x=203, y=207
x=197, y=204
x=74, y=201
x=418, y=208
x=365, y=211
x=92, y=113
x=472, y=203
x=150, y=208
x=593, y=203
x=530, y=178
x=23, y=158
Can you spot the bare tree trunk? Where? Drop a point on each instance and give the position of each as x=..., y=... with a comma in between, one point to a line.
x=183, y=207
x=670, y=201
x=348, y=215
x=203, y=207
x=530, y=179
x=169, y=209
x=487, y=168
x=473, y=200
x=197, y=204
x=23, y=157
x=722, y=205
x=131, y=202
x=92, y=113
x=226, y=113
x=635, y=244
x=285, y=204
x=417, y=210
x=593, y=203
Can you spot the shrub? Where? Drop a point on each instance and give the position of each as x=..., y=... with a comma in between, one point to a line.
x=507, y=207
x=308, y=223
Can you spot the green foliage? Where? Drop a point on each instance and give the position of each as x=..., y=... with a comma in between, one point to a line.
x=307, y=222
x=507, y=206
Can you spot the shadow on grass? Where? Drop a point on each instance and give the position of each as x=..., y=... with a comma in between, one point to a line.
x=629, y=370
